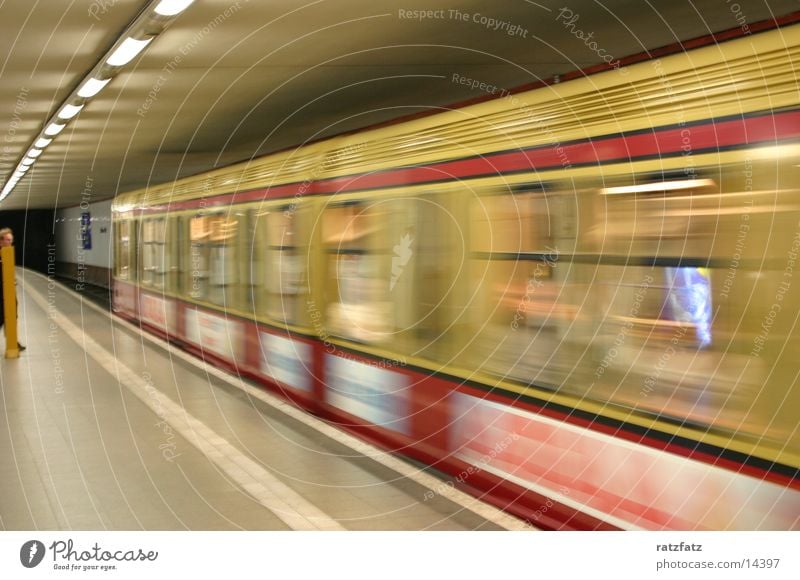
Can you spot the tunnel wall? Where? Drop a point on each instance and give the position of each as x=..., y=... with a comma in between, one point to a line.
x=84, y=255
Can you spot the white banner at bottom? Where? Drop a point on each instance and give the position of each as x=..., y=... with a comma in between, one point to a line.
x=399, y=555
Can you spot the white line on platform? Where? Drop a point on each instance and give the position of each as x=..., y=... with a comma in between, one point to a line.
x=466, y=501
x=288, y=505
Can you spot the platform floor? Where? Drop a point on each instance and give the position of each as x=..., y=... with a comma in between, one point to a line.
x=105, y=428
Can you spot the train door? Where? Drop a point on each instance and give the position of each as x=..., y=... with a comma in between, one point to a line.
x=124, y=249
x=125, y=265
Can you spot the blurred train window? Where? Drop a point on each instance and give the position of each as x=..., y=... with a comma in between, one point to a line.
x=656, y=305
x=154, y=257
x=670, y=338
x=512, y=244
x=673, y=217
x=510, y=224
x=527, y=293
x=213, y=264
x=123, y=261
x=396, y=274
x=358, y=271
x=280, y=282
x=198, y=257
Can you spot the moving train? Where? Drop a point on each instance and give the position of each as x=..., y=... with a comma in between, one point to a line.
x=579, y=301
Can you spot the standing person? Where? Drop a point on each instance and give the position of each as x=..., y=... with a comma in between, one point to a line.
x=6, y=239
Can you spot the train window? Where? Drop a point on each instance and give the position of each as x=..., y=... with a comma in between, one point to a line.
x=154, y=258
x=395, y=273
x=512, y=243
x=671, y=305
x=199, y=235
x=213, y=264
x=654, y=345
x=526, y=294
x=510, y=224
x=285, y=269
x=358, y=271
x=659, y=217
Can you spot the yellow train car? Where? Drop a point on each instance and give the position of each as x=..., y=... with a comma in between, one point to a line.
x=581, y=300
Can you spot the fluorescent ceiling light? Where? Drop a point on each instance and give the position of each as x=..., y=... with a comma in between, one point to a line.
x=34, y=152
x=41, y=143
x=126, y=51
x=28, y=161
x=91, y=87
x=172, y=7
x=69, y=111
x=22, y=168
x=53, y=129
x=658, y=186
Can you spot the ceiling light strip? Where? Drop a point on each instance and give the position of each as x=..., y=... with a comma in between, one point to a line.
x=150, y=23
x=127, y=51
x=91, y=87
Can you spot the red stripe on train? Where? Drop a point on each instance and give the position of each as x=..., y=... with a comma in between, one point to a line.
x=681, y=140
